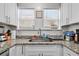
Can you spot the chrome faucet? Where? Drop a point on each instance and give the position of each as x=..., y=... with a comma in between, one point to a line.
x=40, y=32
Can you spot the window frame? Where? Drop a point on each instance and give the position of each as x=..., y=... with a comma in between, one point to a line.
x=33, y=19
x=48, y=19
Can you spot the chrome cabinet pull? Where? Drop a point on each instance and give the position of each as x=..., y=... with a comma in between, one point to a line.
x=42, y=54
x=22, y=49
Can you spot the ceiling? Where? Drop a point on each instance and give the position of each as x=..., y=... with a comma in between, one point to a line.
x=41, y=5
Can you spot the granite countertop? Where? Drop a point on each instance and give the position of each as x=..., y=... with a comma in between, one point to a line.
x=69, y=44
x=5, y=47
x=72, y=46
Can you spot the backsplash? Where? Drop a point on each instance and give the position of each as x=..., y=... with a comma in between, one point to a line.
x=37, y=32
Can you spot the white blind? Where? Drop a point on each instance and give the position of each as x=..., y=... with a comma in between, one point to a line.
x=26, y=17
x=51, y=18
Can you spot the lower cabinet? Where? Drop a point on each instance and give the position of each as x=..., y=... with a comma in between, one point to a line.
x=16, y=51
x=36, y=50
x=42, y=50
x=12, y=51
x=19, y=50
x=6, y=53
x=68, y=52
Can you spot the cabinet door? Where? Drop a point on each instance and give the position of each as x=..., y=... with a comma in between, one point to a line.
x=2, y=18
x=7, y=12
x=75, y=13
x=11, y=13
x=68, y=52
x=53, y=50
x=19, y=50
x=12, y=51
x=42, y=50
x=65, y=14
x=31, y=50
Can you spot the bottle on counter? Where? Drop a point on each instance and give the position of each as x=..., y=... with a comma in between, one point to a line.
x=8, y=36
x=76, y=40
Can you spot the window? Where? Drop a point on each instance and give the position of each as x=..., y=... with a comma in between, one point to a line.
x=26, y=17
x=51, y=18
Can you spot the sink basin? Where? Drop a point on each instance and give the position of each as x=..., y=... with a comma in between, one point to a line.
x=40, y=40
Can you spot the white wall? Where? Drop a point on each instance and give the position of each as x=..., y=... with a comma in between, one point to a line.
x=38, y=22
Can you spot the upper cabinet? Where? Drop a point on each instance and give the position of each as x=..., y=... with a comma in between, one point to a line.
x=8, y=13
x=69, y=13
x=11, y=13
x=75, y=13
x=2, y=13
x=65, y=13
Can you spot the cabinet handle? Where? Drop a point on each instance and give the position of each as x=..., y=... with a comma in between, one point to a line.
x=22, y=49
x=38, y=32
x=8, y=19
x=42, y=54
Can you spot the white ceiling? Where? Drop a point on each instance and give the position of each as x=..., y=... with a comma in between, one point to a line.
x=42, y=5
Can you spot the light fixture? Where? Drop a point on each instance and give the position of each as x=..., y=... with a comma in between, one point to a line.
x=38, y=8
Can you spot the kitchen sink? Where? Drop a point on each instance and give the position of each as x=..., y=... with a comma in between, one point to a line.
x=41, y=40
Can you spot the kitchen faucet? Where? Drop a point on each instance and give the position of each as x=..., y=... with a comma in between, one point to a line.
x=40, y=32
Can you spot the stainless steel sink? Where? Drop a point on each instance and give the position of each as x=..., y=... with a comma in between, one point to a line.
x=40, y=40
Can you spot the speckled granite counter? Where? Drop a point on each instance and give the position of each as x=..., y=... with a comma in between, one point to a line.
x=71, y=45
x=5, y=47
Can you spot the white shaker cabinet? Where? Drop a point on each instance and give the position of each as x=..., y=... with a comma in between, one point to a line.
x=68, y=52
x=19, y=50
x=2, y=13
x=53, y=50
x=11, y=13
x=12, y=51
x=31, y=50
x=42, y=50
x=65, y=13
x=75, y=13
x=8, y=13
x=15, y=51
